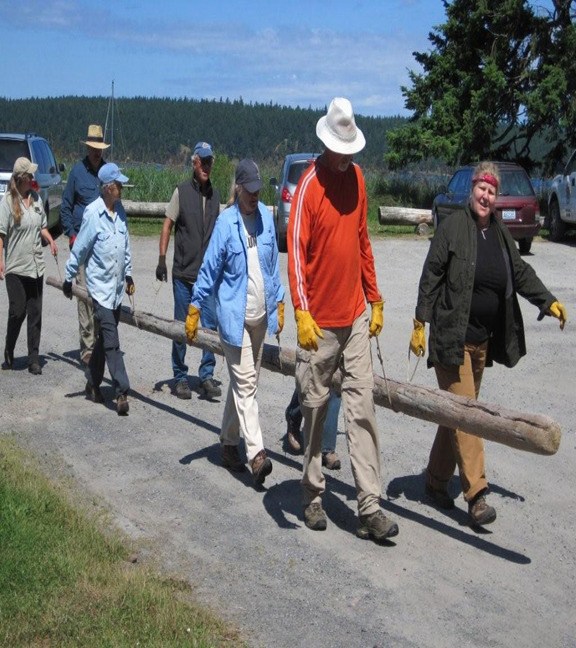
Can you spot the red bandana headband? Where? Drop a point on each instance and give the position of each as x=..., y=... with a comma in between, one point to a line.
x=486, y=177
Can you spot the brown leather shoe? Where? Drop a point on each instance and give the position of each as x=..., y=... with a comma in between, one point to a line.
x=261, y=467
x=331, y=460
x=231, y=458
x=122, y=406
x=480, y=512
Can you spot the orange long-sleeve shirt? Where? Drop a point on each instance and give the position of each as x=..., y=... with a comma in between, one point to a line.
x=330, y=261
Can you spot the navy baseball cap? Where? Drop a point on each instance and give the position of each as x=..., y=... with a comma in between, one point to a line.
x=248, y=175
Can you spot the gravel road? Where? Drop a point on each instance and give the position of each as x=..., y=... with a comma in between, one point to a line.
x=247, y=552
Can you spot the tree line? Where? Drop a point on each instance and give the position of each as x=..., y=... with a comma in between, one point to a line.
x=164, y=131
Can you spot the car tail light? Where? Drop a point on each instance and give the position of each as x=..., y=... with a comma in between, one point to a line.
x=286, y=195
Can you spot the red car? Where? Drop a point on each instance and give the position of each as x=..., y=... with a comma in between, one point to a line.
x=516, y=204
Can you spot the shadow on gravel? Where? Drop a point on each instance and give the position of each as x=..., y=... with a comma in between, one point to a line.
x=412, y=487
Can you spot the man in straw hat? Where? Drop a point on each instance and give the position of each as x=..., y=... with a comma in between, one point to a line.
x=332, y=276
x=82, y=188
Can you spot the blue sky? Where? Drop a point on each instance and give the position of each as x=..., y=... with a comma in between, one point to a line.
x=297, y=53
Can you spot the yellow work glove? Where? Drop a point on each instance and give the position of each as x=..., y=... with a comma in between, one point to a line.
x=557, y=310
x=280, y=317
x=191, y=326
x=376, y=319
x=418, y=339
x=307, y=329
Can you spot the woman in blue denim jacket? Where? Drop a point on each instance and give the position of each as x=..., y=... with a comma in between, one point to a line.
x=241, y=267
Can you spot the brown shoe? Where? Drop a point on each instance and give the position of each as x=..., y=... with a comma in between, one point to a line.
x=480, y=512
x=231, y=458
x=315, y=517
x=331, y=460
x=293, y=437
x=122, y=406
x=376, y=526
x=261, y=467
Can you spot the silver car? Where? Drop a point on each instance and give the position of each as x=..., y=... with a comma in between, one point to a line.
x=47, y=176
x=293, y=167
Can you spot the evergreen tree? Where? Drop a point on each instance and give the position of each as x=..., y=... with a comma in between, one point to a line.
x=500, y=74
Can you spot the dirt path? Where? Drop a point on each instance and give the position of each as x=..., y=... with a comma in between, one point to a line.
x=248, y=553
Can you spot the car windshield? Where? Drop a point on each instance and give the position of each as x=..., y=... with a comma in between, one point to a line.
x=10, y=151
x=515, y=183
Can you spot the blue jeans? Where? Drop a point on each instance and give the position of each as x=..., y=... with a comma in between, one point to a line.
x=330, y=430
x=182, y=296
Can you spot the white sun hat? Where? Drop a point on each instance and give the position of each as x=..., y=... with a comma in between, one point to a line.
x=337, y=129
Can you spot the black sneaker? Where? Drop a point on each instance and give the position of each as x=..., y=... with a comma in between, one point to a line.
x=93, y=393
x=439, y=498
x=35, y=369
x=210, y=388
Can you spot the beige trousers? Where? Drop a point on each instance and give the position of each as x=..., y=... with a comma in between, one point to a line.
x=85, y=318
x=451, y=447
x=348, y=350
x=241, y=409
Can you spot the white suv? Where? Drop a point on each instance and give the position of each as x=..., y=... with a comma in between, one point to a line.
x=36, y=149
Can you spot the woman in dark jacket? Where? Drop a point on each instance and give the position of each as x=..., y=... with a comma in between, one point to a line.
x=468, y=294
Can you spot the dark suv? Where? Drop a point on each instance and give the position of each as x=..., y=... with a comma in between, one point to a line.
x=47, y=176
x=516, y=203
x=293, y=167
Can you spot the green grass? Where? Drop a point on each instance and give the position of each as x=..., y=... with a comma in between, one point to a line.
x=65, y=578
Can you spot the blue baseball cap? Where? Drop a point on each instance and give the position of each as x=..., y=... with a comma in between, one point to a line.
x=111, y=173
x=203, y=150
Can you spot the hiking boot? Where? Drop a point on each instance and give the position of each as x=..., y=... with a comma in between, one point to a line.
x=182, y=390
x=480, y=512
x=8, y=360
x=261, y=467
x=314, y=517
x=35, y=369
x=94, y=393
x=231, y=458
x=331, y=460
x=210, y=388
x=376, y=526
x=439, y=497
x=122, y=406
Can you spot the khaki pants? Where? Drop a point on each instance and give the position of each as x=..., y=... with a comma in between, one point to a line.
x=241, y=409
x=348, y=350
x=451, y=447
x=85, y=318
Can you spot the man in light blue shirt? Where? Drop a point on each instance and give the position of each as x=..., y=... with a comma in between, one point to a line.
x=103, y=246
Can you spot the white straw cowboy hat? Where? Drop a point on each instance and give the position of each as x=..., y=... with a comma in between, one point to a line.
x=95, y=137
x=337, y=129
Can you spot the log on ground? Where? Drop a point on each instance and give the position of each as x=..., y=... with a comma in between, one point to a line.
x=535, y=433
x=404, y=216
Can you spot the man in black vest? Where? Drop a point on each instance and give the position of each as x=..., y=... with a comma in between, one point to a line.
x=193, y=209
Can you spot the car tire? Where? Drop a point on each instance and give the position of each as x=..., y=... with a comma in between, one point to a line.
x=557, y=227
x=524, y=245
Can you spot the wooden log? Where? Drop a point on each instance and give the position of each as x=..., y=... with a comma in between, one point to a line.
x=404, y=216
x=535, y=433
x=151, y=209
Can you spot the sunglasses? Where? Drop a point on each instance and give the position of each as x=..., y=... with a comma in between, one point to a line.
x=207, y=161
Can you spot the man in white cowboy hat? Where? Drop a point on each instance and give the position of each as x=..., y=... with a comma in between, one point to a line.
x=82, y=188
x=332, y=277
